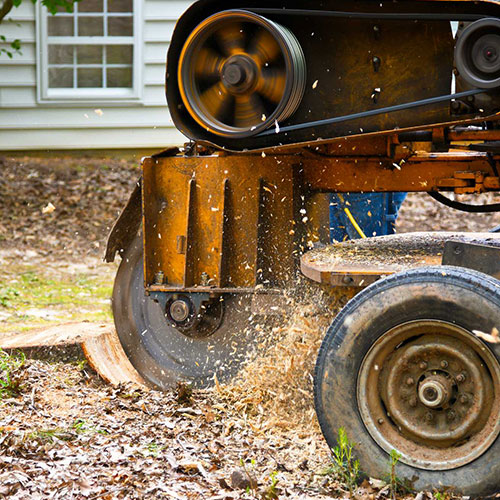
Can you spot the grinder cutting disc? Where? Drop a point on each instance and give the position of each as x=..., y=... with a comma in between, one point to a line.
x=163, y=354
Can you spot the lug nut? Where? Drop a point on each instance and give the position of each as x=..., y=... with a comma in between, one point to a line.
x=461, y=377
x=380, y=421
x=410, y=381
x=444, y=364
x=451, y=415
x=413, y=402
x=464, y=399
x=423, y=365
x=429, y=416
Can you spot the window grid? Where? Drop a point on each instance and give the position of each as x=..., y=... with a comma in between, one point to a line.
x=104, y=66
x=124, y=84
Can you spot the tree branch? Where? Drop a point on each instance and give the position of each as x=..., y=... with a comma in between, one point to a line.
x=6, y=8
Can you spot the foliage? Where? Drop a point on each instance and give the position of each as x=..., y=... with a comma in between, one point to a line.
x=396, y=485
x=345, y=466
x=152, y=449
x=82, y=427
x=10, y=365
x=271, y=493
x=442, y=495
x=7, y=294
x=53, y=6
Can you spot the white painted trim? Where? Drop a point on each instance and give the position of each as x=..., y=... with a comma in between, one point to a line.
x=90, y=126
x=46, y=96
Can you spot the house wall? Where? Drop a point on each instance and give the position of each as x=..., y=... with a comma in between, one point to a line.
x=26, y=124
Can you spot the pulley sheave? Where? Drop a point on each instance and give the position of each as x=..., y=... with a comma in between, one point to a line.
x=477, y=53
x=240, y=73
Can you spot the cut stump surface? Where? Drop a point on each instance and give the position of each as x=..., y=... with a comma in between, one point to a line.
x=99, y=342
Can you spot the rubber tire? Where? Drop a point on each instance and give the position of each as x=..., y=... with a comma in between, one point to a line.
x=159, y=352
x=457, y=295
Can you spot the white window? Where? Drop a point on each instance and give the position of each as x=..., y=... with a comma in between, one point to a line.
x=91, y=54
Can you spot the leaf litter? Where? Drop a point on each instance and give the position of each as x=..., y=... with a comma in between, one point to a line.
x=69, y=435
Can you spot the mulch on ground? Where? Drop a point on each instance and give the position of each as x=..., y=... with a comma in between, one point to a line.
x=69, y=435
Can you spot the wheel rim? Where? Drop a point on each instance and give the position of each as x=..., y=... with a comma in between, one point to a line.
x=240, y=73
x=430, y=390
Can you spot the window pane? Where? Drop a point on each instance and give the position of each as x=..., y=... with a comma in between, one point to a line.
x=60, y=26
x=67, y=9
x=89, y=54
x=120, y=6
x=119, y=54
x=90, y=6
x=90, y=26
x=120, y=26
x=60, y=78
x=60, y=54
x=89, y=77
x=119, y=77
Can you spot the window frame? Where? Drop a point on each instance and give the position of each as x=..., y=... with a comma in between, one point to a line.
x=46, y=95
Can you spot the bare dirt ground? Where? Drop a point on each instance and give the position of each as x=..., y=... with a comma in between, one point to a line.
x=67, y=434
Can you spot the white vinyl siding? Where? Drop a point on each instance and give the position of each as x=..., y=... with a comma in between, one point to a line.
x=27, y=121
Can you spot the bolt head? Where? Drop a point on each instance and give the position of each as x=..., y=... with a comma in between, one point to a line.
x=413, y=402
x=429, y=416
x=461, y=377
x=444, y=364
x=410, y=381
x=451, y=415
x=423, y=365
x=159, y=278
x=380, y=421
x=464, y=399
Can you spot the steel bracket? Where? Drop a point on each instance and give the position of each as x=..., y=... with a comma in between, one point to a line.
x=482, y=258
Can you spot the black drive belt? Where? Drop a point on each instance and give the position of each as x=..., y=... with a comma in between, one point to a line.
x=372, y=112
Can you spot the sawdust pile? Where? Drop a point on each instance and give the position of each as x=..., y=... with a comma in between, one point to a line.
x=276, y=388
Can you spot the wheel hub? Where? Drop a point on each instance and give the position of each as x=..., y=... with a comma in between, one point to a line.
x=430, y=390
x=194, y=317
x=179, y=310
x=239, y=74
x=435, y=391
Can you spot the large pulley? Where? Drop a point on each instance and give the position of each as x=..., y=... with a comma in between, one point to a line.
x=240, y=73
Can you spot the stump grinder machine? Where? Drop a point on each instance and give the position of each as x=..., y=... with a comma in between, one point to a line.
x=285, y=102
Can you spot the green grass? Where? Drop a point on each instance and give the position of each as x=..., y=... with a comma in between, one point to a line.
x=61, y=295
x=10, y=365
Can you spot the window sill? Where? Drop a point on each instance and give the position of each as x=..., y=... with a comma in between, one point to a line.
x=85, y=103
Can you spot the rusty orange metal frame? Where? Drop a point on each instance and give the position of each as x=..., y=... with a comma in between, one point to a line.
x=461, y=172
x=219, y=222
x=225, y=222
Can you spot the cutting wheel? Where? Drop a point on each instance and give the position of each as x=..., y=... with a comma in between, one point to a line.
x=240, y=73
x=164, y=355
